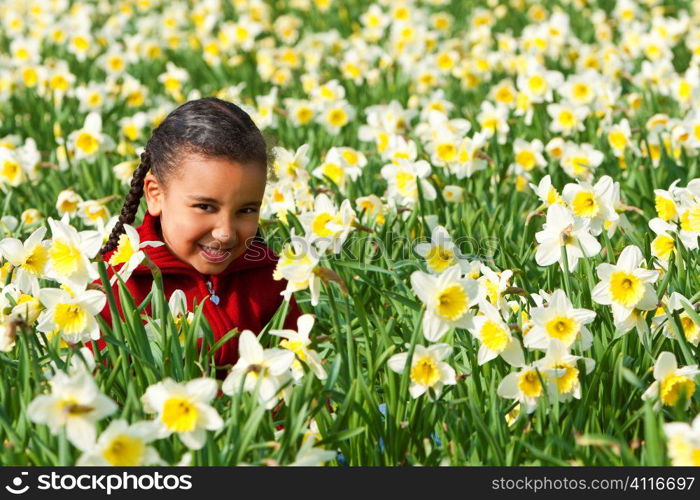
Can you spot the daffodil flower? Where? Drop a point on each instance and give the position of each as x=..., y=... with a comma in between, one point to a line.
x=30, y=256
x=538, y=83
x=563, y=230
x=447, y=298
x=89, y=140
x=619, y=136
x=129, y=253
x=559, y=320
x=670, y=382
x=546, y=192
x=684, y=442
x=689, y=213
x=665, y=203
x=123, y=445
x=72, y=313
x=70, y=254
x=298, y=342
x=689, y=328
x=298, y=264
x=495, y=337
x=592, y=202
x=74, y=403
x=404, y=176
x=580, y=89
x=183, y=409
x=566, y=118
x=27, y=306
x=11, y=171
x=428, y=371
x=493, y=119
x=335, y=115
x=265, y=367
x=453, y=194
x=494, y=285
x=341, y=165
x=561, y=370
x=177, y=303
x=528, y=155
x=68, y=202
x=291, y=164
x=440, y=253
x=384, y=121
x=664, y=243
x=373, y=207
x=525, y=386
x=327, y=226
x=626, y=286
x=580, y=160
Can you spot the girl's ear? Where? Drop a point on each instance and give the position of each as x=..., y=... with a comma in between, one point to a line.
x=153, y=192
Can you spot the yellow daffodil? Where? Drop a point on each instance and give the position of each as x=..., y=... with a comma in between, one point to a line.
x=75, y=403
x=495, y=337
x=562, y=229
x=559, y=320
x=526, y=386
x=670, y=382
x=264, y=370
x=684, y=443
x=447, y=298
x=626, y=286
x=123, y=445
x=298, y=342
x=428, y=372
x=183, y=409
x=73, y=314
x=561, y=371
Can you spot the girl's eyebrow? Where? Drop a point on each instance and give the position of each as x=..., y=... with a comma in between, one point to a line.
x=206, y=199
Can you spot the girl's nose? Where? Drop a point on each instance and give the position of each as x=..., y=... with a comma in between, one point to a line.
x=225, y=237
x=222, y=236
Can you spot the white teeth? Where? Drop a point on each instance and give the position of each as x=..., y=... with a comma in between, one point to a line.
x=214, y=251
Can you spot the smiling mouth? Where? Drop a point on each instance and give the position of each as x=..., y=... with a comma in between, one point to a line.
x=214, y=255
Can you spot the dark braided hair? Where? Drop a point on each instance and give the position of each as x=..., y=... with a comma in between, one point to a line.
x=209, y=127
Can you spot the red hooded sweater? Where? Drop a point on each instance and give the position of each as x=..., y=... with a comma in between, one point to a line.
x=247, y=294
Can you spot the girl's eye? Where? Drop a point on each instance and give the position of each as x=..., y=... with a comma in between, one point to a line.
x=249, y=210
x=203, y=206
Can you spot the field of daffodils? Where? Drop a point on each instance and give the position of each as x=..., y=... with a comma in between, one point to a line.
x=488, y=213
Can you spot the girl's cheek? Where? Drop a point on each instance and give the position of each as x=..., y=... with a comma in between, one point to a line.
x=183, y=232
x=250, y=229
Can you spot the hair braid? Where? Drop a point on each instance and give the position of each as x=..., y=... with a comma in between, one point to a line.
x=131, y=204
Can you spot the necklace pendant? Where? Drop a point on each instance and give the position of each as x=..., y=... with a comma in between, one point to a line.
x=212, y=296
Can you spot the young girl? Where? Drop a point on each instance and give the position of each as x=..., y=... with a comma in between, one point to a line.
x=203, y=174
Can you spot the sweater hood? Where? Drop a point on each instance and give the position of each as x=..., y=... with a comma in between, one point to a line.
x=257, y=255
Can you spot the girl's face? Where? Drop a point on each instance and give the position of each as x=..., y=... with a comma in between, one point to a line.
x=209, y=209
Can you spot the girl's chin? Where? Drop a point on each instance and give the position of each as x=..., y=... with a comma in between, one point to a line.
x=214, y=265
x=208, y=268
